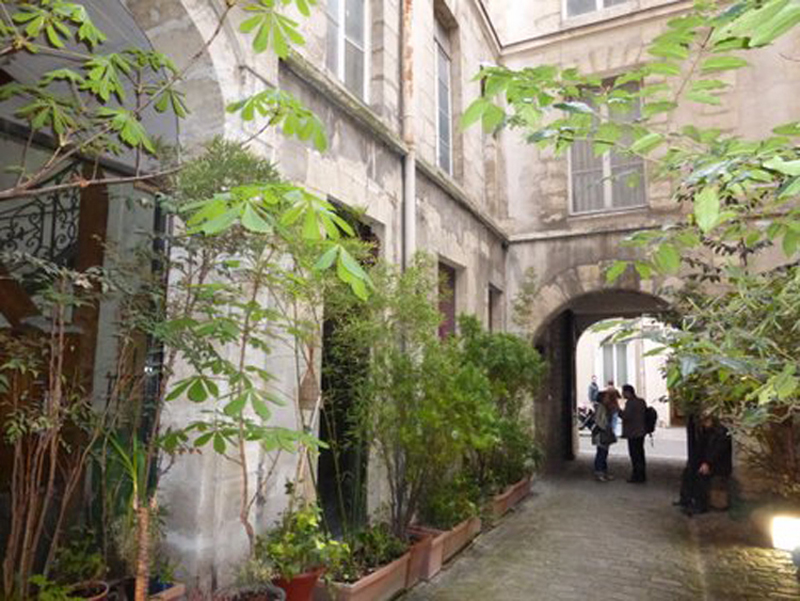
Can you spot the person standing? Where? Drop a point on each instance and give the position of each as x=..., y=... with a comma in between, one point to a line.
x=602, y=438
x=594, y=390
x=633, y=428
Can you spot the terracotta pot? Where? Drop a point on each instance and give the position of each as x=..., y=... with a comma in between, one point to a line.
x=93, y=590
x=382, y=585
x=301, y=587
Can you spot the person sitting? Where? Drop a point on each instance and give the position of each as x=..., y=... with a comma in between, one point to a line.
x=711, y=452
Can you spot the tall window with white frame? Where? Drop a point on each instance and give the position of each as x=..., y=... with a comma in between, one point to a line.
x=611, y=181
x=615, y=363
x=573, y=8
x=444, y=98
x=347, y=42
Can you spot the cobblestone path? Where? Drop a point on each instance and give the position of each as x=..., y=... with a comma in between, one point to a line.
x=577, y=539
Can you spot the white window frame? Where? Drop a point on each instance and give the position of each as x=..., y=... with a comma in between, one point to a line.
x=608, y=187
x=441, y=49
x=340, y=47
x=599, y=5
x=615, y=364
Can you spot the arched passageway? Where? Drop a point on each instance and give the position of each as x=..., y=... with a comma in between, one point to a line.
x=557, y=340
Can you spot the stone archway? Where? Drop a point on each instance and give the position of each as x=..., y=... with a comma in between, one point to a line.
x=179, y=29
x=565, y=307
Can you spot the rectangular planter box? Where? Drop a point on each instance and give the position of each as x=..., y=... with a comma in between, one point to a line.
x=419, y=558
x=445, y=544
x=510, y=497
x=383, y=584
x=432, y=563
x=459, y=537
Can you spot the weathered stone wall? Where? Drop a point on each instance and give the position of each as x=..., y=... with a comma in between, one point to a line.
x=456, y=217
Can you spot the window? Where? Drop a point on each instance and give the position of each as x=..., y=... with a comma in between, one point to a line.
x=607, y=182
x=615, y=363
x=447, y=300
x=346, y=52
x=444, y=112
x=581, y=7
x=495, y=307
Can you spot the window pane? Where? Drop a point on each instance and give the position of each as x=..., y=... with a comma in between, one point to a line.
x=332, y=8
x=447, y=300
x=622, y=364
x=332, y=46
x=587, y=178
x=613, y=2
x=354, y=22
x=628, y=184
x=354, y=69
x=444, y=114
x=579, y=7
x=608, y=363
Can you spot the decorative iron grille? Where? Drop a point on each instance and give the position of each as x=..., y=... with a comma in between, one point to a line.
x=46, y=226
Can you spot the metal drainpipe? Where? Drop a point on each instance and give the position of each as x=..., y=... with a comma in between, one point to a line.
x=409, y=161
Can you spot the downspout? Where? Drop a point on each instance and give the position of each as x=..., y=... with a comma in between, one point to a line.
x=409, y=161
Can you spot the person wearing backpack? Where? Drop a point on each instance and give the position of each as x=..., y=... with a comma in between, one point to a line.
x=634, y=429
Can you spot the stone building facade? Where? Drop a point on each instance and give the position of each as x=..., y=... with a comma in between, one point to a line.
x=488, y=206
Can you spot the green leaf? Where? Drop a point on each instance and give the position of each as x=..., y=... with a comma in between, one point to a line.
x=788, y=129
x=647, y=143
x=663, y=68
x=653, y=108
x=703, y=98
x=643, y=269
x=667, y=259
x=197, y=391
x=791, y=239
x=722, y=63
x=786, y=167
x=261, y=408
x=327, y=258
x=492, y=117
x=706, y=209
x=575, y=106
x=236, y=406
x=219, y=443
x=615, y=271
x=251, y=220
x=474, y=112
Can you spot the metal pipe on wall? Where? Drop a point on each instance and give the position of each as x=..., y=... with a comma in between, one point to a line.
x=409, y=161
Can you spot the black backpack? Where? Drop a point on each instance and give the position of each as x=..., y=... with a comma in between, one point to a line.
x=650, y=420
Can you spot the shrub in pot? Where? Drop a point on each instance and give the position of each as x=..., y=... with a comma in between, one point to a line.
x=299, y=551
x=376, y=568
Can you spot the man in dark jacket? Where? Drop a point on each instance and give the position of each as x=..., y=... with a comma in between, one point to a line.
x=710, y=454
x=633, y=428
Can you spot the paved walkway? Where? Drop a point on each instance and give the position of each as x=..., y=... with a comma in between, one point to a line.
x=577, y=539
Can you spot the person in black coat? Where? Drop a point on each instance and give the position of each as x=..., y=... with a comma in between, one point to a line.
x=633, y=428
x=710, y=454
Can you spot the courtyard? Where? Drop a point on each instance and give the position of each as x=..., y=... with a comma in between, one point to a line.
x=301, y=299
x=575, y=539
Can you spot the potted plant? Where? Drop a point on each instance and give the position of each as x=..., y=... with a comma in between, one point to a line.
x=449, y=515
x=376, y=569
x=299, y=551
